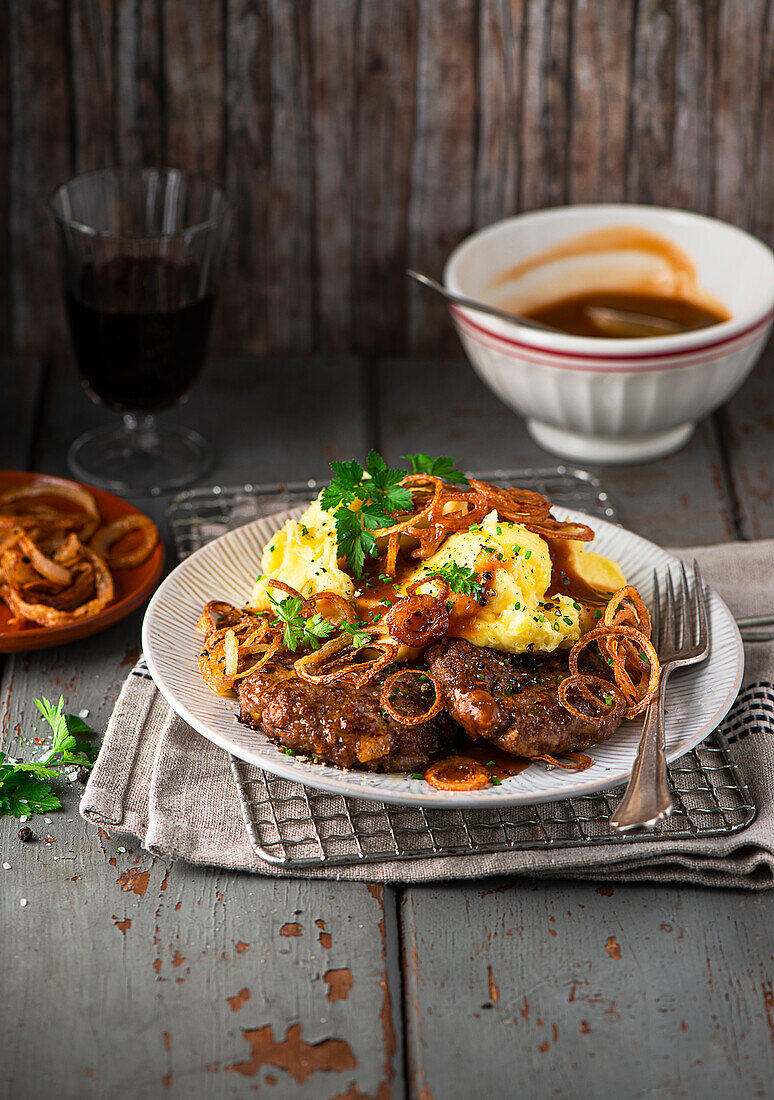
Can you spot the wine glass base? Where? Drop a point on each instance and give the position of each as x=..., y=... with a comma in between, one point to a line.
x=140, y=463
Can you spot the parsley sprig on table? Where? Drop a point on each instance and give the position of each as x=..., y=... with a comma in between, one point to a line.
x=363, y=499
x=67, y=749
x=299, y=630
x=25, y=788
x=460, y=579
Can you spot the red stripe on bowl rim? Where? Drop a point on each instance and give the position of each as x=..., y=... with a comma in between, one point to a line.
x=571, y=360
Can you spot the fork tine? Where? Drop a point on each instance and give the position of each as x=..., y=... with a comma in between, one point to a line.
x=668, y=630
x=703, y=638
x=685, y=611
x=655, y=615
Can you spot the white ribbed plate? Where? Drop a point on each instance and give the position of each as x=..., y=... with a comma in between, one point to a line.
x=697, y=699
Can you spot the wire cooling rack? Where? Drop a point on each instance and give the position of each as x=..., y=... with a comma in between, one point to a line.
x=200, y=515
x=291, y=825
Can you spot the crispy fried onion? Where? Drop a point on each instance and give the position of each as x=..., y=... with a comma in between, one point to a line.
x=458, y=773
x=569, y=762
x=234, y=639
x=441, y=509
x=340, y=659
x=85, y=521
x=108, y=535
x=332, y=601
x=635, y=665
x=390, y=691
x=419, y=618
x=29, y=595
x=605, y=698
x=627, y=608
x=48, y=568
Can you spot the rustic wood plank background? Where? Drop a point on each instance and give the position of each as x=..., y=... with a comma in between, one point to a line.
x=356, y=136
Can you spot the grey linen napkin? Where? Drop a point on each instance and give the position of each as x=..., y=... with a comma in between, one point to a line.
x=157, y=779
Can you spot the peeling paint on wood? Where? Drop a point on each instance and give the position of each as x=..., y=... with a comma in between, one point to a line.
x=293, y=1054
x=339, y=983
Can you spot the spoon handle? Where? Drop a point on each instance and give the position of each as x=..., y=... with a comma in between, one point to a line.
x=469, y=303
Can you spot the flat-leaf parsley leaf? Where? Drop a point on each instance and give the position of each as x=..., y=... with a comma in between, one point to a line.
x=297, y=629
x=460, y=579
x=440, y=467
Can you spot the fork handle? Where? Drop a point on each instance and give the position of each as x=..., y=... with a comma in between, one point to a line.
x=647, y=798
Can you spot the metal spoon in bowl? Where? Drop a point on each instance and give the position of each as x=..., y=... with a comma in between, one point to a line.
x=469, y=303
x=612, y=322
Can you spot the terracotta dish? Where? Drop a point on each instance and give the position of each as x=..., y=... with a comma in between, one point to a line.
x=133, y=586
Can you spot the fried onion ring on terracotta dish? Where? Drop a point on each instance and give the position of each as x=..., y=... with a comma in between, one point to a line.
x=50, y=616
x=46, y=567
x=103, y=541
x=71, y=492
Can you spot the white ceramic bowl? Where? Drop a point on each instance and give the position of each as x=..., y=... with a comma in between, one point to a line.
x=624, y=400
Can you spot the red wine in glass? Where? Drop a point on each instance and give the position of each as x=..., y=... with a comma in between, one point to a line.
x=142, y=250
x=132, y=355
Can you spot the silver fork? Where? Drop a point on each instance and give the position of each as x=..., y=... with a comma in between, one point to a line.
x=682, y=638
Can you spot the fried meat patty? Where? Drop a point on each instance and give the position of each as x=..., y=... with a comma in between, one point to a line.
x=341, y=724
x=511, y=701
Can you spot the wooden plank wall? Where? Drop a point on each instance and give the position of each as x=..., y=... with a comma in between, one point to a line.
x=356, y=136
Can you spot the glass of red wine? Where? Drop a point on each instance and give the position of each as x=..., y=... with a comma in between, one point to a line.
x=142, y=251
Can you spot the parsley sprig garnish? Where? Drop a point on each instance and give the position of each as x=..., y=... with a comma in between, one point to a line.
x=440, y=467
x=460, y=579
x=25, y=788
x=358, y=636
x=299, y=630
x=361, y=504
x=363, y=499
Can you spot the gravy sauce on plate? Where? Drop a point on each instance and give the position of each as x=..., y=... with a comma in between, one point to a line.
x=661, y=299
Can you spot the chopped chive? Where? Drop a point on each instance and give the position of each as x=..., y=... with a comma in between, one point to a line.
x=528, y=554
x=568, y=620
x=517, y=606
x=417, y=775
x=598, y=614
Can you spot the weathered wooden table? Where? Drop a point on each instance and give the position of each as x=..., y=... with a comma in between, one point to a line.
x=125, y=976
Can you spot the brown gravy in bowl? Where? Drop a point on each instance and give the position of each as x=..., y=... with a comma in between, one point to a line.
x=619, y=315
x=660, y=300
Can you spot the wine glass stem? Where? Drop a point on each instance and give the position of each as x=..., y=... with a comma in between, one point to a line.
x=142, y=430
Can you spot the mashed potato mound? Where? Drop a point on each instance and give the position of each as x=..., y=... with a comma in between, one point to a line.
x=303, y=554
x=517, y=618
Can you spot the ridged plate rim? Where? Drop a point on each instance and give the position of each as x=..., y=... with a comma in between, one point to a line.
x=696, y=702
